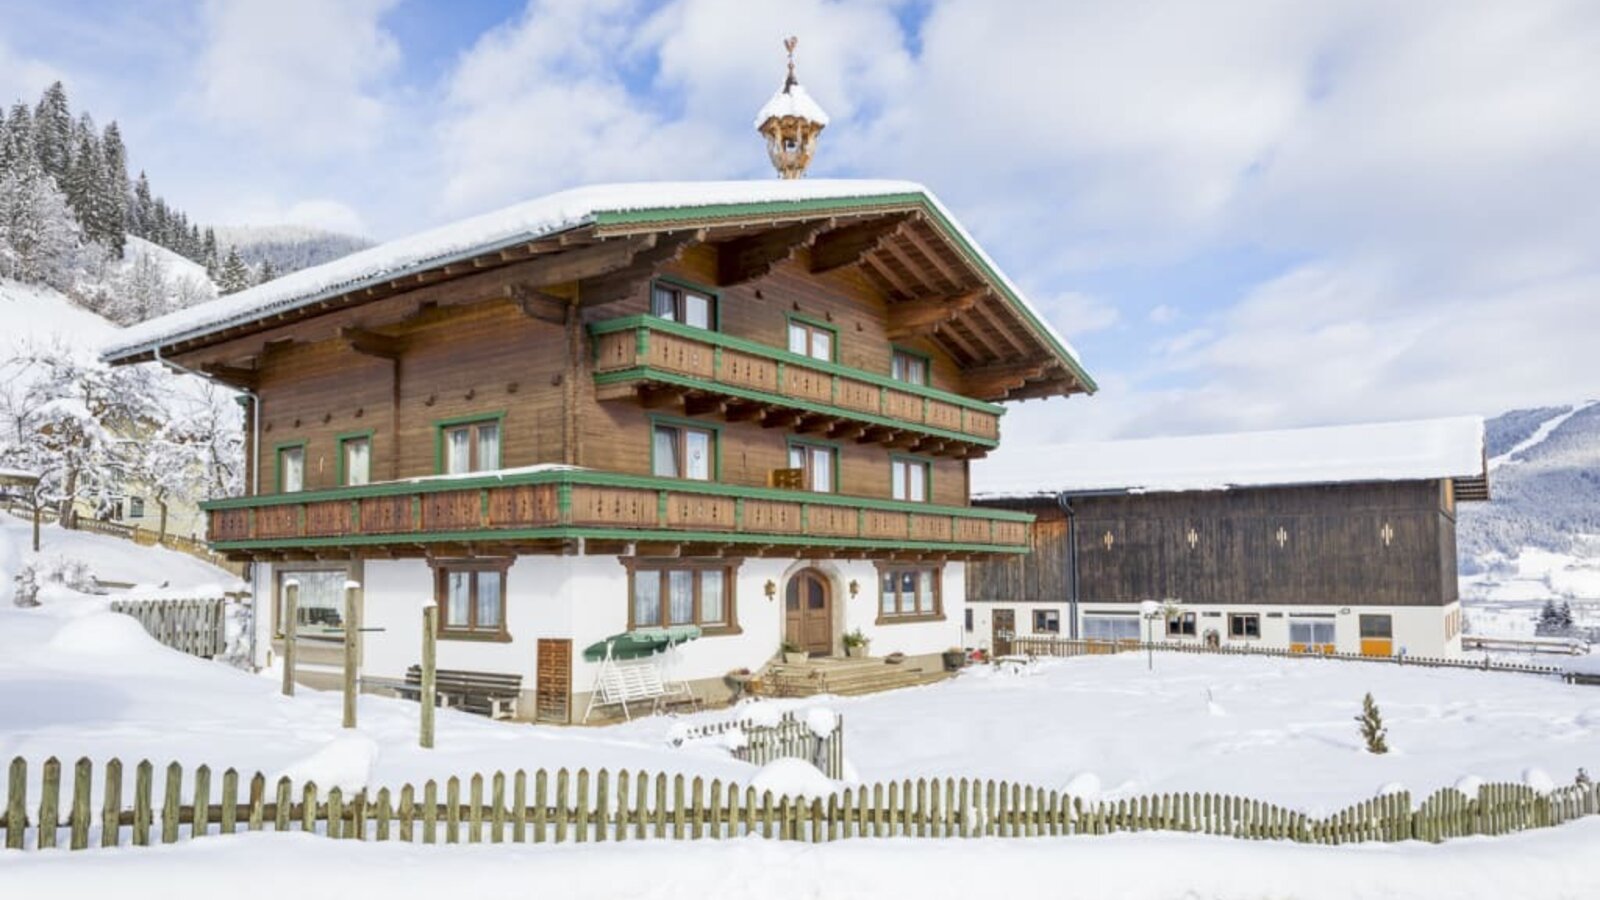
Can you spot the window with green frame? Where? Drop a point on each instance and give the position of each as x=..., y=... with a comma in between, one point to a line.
x=355, y=459
x=819, y=462
x=910, y=478
x=684, y=305
x=469, y=446
x=683, y=450
x=813, y=339
x=291, y=467
x=910, y=367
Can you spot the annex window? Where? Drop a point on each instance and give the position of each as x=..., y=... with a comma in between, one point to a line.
x=811, y=340
x=817, y=462
x=909, y=592
x=684, y=306
x=682, y=594
x=1181, y=625
x=471, y=447
x=1377, y=626
x=472, y=598
x=135, y=507
x=909, y=367
x=909, y=479
x=355, y=459
x=1311, y=634
x=1046, y=621
x=319, y=608
x=1244, y=625
x=291, y=469
x=1111, y=628
x=968, y=617
x=682, y=451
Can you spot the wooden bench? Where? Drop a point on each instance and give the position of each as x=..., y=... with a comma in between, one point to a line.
x=491, y=694
x=622, y=683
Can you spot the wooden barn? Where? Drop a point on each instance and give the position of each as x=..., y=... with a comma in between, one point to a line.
x=737, y=413
x=1318, y=539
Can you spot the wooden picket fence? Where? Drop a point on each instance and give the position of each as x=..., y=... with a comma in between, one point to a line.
x=196, y=627
x=593, y=807
x=1041, y=645
x=790, y=738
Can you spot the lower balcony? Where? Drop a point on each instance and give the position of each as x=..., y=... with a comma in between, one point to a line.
x=558, y=509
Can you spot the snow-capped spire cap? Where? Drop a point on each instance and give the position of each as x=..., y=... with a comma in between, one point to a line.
x=790, y=122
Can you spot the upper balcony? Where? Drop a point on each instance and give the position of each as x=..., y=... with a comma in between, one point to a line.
x=740, y=380
x=561, y=509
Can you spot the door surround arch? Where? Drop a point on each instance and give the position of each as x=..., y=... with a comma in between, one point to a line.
x=817, y=630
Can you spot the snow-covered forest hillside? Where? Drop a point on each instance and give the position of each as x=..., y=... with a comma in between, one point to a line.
x=1539, y=538
x=288, y=248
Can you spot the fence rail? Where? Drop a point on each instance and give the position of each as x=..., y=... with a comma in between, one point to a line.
x=560, y=807
x=196, y=627
x=138, y=534
x=789, y=738
x=1035, y=645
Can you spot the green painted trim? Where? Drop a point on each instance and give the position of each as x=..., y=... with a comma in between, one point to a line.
x=338, y=463
x=439, y=425
x=782, y=355
x=277, y=465
x=645, y=372
x=643, y=534
x=566, y=478
x=679, y=422
x=814, y=322
x=909, y=199
x=927, y=479
x=832, y=447
x=685, y=284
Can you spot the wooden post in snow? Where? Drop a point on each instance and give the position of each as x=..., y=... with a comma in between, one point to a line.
x=291, y=624
x=430, y=630
x=352, y=633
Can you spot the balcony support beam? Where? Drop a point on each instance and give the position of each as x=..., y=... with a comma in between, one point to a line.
x=748, y=258
x=915, y=318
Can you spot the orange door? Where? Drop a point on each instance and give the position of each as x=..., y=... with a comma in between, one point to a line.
x=1377, y=635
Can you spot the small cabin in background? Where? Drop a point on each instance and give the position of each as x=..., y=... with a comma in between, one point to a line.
x=1317, y=539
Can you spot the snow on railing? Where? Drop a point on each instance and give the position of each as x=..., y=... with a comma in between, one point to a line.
x=196, y=627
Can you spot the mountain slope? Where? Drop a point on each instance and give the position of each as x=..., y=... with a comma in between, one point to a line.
x=288, y=247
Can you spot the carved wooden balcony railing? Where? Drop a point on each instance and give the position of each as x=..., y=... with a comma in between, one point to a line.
x=646, y=356
x=561, y=509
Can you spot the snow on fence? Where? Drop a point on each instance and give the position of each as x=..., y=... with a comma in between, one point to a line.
x=819, y=739
x=196, y=627
x=583, y=806
x=1034, y=645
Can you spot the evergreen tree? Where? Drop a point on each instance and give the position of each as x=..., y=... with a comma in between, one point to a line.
x=39, y=238
x=114, y=189
x=16, y=141
x=52, y=132
x=1554, y=621
x=142, y=212
x=266, y=273
x=1372, y=728
x=208, y=253
x=235, y=275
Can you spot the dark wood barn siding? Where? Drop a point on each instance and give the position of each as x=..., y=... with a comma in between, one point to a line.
x=1315, y=545
x=1042, y=574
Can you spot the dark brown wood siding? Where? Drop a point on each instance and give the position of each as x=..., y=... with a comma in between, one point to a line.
x=1312, y=545
x=1042, y=574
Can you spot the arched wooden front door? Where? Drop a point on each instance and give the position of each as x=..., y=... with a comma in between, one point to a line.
x=808, y=612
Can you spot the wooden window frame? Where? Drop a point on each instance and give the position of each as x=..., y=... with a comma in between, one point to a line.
x=281, y=569
x=810, y=445
x=277, y=465
x=135, y=507
x=441, y=575
x=679, y=288
x=898, y=352
x=1037, y=618
x=443, y=427
x=936, y=572
x=811, y=326
x=729, y=567
x=927, y=477
x=342, y=465
x=681, y=426
x=1182, y=619
x=1239, y=635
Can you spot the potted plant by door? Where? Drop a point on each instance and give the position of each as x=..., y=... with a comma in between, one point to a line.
x=954, y=659
x=855, y=644
x=793, y=654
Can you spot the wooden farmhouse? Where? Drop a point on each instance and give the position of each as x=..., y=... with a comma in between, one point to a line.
x=747, y=407
x=1318, y=540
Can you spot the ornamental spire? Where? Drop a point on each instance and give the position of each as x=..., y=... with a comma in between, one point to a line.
x=791, y=122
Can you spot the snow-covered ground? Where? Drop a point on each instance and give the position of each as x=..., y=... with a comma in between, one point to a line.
x=108, y=558
x=1551, y=864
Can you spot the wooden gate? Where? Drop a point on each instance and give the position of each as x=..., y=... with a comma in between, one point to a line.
x=553, y=684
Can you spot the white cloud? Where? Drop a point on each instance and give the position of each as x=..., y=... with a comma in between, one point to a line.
x=22, y=77
x=1077, y=314
x=1163, y=314
x=304, y=75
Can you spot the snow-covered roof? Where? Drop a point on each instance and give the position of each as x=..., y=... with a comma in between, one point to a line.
x=17, y=475
x=1390, y=451
x=792, y=100
x=528, y=221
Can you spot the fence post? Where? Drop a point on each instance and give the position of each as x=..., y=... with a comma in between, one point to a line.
x=17, y=804
x=111, y=808
x=291, y=624
x=430, y=631
x=352, y=633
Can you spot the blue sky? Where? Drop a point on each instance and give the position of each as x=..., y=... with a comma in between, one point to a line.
x=1243, y=214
